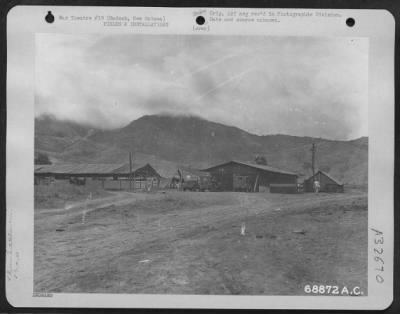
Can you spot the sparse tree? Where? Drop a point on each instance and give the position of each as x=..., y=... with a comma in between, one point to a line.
x=261, y=160
x=42, y=159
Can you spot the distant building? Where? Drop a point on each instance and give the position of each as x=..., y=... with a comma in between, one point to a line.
x=243, y=176
x=326, y=181
x=115, y=171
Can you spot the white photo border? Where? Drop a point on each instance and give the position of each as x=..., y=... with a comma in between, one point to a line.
x=23, y=22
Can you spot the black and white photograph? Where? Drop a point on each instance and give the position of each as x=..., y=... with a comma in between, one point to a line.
x=201, y=165
x=199, y=158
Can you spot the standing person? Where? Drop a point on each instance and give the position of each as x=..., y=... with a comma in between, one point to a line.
x=316, y=186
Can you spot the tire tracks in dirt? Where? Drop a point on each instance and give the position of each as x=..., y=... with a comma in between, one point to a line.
x=160, y=234
x=213, y=218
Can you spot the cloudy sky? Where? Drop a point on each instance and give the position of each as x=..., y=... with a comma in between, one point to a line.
x=265, y=85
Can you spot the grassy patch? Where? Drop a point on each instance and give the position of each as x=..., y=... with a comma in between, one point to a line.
x=60, y=192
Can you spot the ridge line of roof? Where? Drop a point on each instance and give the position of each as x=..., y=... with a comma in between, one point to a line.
x=261, y=167
x=328, y=175
x=86, y=168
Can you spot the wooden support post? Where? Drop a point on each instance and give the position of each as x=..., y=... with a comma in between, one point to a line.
x=255, y=183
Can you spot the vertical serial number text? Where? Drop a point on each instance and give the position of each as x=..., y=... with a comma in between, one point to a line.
x=378, y=255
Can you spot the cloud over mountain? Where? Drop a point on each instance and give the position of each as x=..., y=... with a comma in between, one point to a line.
x=306, y=86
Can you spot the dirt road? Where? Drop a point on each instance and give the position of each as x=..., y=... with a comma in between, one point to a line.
x=191, y=243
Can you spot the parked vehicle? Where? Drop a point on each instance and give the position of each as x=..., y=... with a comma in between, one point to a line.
x=191, y=185
x=241, y=183
x=200, y=183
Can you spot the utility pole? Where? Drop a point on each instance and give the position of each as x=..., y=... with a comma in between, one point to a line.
x=130, y=171
x=313, y=158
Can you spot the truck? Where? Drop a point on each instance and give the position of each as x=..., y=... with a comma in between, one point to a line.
x=241, y=183
x=200, y=183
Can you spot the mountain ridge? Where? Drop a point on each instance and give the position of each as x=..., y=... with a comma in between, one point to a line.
x=170, y=141
x=47, y=116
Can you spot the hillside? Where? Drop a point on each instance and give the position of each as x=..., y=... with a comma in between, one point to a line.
x=54, y=136
x=170, y=141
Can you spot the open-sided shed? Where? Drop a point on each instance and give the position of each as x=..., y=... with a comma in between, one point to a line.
x=243, y=176
x=326, y=181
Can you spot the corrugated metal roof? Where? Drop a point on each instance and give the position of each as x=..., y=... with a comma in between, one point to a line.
x=192, y=172
x=79, y=168
x=167, y=172
x=326, y=174
x=261, y=167
x=125, y=169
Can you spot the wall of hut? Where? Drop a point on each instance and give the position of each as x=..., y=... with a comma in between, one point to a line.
x=225, y=176
x=326, y=184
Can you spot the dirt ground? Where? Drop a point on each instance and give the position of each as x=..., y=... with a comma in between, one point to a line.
x=191, y=243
